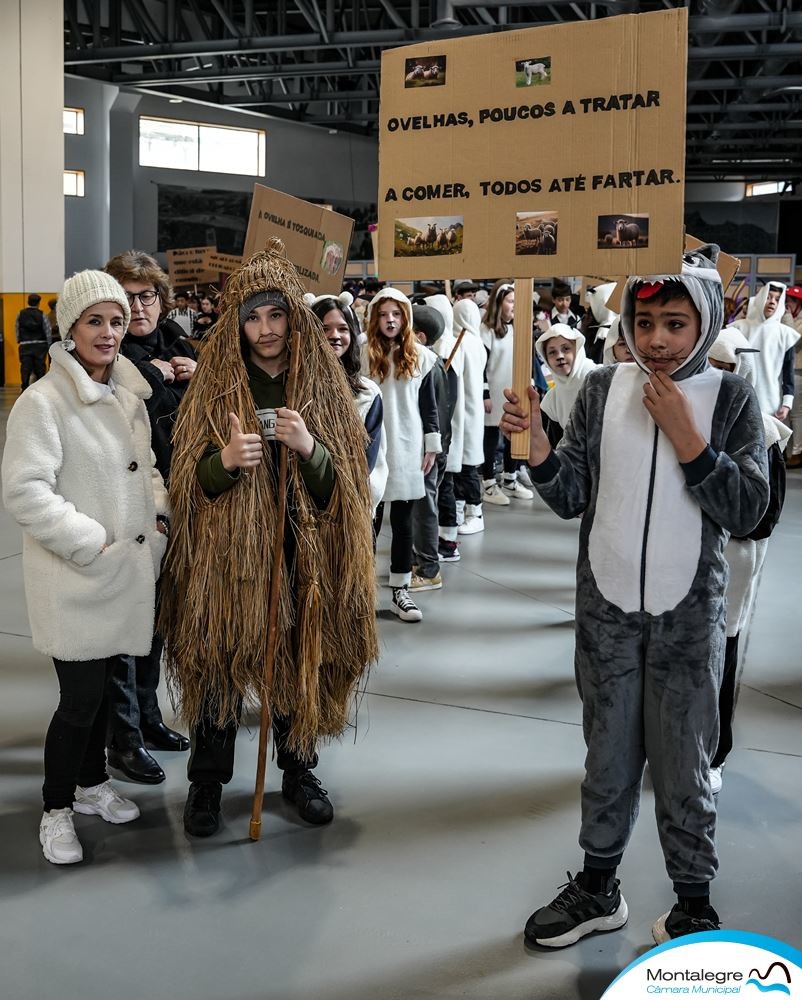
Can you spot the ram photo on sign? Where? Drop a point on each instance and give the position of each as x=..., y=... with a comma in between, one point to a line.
x=529, y=72
x=425, y=72
x=620, y=231
x=536, y=233
x=429, y=237
x=529, y=125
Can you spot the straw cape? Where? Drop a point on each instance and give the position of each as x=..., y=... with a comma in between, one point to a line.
x=216, y=578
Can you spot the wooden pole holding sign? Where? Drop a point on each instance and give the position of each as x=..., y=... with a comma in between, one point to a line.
x=455, y=348
x=522, y=356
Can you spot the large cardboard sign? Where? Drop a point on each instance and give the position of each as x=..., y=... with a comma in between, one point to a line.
x=190, y=266
x=223, y=263
x=554, y=150
x=316, y=238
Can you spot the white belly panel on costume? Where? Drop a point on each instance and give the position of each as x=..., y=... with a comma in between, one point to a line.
x=673, y=543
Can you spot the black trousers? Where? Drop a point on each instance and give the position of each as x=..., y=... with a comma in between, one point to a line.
x=133, y=705
x=726, y=701
x=447, y=502
x=468, y=485
x=75, y=744
x=32, y=361
x=490, y=448
x=212, y=756
x=401, y=524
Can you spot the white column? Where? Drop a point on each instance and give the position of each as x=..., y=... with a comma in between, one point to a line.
x=31, y=145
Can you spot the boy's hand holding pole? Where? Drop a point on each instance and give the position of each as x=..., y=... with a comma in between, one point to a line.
x=668, y=406
x=517, y=419
x=243, y=451
x=291, y=430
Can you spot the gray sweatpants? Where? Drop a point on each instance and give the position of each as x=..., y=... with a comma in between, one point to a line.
x=649, y=687
x=425, y=534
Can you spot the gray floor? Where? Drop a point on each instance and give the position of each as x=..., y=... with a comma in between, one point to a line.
x=457, y=812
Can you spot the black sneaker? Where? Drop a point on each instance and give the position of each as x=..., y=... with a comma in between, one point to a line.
x=403, y=606
x=576, y=912
x=677, y=923
x=447, y=551
x=202, y=809
x=303, y=789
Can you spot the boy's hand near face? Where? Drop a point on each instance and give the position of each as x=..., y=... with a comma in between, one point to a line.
x=517, y=419
x=668, y=406
x=291, y=430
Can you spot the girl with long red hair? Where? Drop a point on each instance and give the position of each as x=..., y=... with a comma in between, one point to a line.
x=393, y=358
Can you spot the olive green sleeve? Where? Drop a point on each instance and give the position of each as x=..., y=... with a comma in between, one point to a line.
x=318, y=474
x=214, y=479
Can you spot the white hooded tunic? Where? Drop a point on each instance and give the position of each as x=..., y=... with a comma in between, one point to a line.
x=773, y=339
x=558, y=402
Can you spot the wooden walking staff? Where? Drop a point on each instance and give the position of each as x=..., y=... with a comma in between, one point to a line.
x=255, y=830
x=522, y=358
x=455, y=348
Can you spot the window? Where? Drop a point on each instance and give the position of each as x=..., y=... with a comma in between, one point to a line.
x=74, y=183
x=192, y=146
x=73, y=121
x=765, y=187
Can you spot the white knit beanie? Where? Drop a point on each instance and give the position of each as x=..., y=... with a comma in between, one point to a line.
x=85, y=289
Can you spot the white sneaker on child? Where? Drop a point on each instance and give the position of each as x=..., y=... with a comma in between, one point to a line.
x=404, y=607
x=493, y=494
x=105, y=801
x=60, y=844
x=474, y=522
x=525, y=478
x=517, y=491
x=716, y=779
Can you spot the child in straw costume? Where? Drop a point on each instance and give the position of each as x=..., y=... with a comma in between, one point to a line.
x=224, y=493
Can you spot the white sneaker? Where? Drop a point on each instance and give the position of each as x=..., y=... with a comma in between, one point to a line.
x=403, y=606
x=60, y=845
x=516, y=491
x=524, y=477
x=493, y=494
x=716, y=779
x=105, y=801
x=472, y=525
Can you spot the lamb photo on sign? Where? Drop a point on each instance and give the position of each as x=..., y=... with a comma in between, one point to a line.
x=533, y=72
x=425, y=71
x=428, y=237
x=629, y=231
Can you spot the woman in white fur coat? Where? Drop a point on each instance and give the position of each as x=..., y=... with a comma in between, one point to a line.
x=79, y=477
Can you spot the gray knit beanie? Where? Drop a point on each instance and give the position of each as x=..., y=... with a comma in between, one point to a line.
x=267, y=298
x=85, y=289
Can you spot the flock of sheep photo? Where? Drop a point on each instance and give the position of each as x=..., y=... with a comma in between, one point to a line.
x=628, y=231
x=535, y=233
x=428, y=237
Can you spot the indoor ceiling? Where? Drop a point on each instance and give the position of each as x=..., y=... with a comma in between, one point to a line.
x=317, y=61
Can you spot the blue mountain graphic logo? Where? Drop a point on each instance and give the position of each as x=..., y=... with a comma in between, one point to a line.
x=764, y=987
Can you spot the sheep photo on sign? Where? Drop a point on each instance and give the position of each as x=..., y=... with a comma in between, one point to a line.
x=623, y=231
x=536, y=233
x=533, y=72
x=429, y=237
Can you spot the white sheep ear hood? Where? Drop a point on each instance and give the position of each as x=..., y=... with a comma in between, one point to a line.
x=703, y=283
x=754, y=312
x=559, y=401
x=732, y=348
x=442, y=303
x=613, y=333
x=568, y=333
x=467, y=316
x=596, y=298
x=396, y=296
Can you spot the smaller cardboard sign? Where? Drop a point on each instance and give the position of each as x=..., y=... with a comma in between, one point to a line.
x=316, y=239
x=190, y=266
x=223, y=263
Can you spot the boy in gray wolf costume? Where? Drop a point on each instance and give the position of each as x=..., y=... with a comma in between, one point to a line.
x=662, y=470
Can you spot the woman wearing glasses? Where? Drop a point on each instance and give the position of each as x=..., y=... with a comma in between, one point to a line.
x=167, y=362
